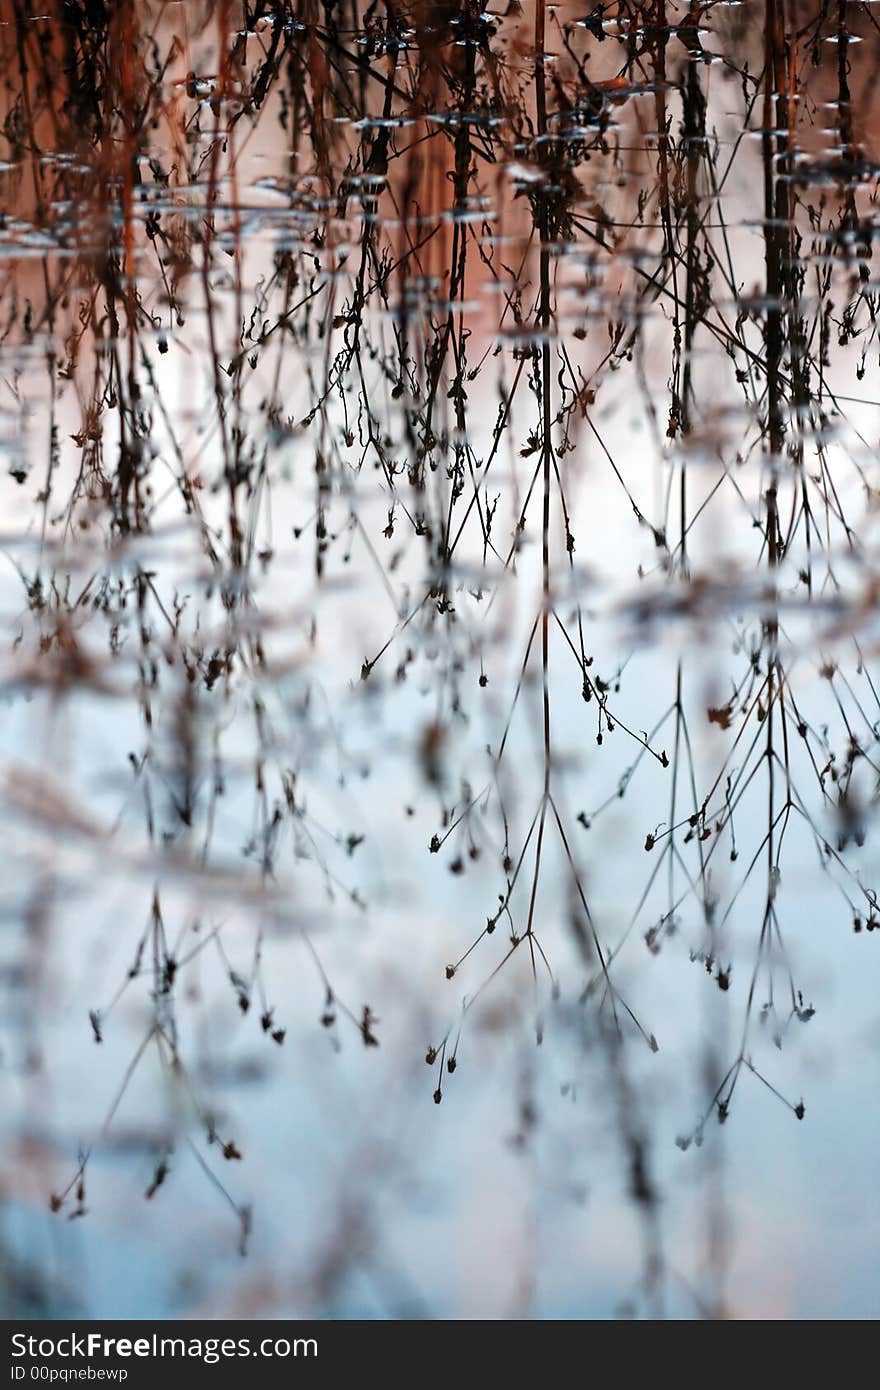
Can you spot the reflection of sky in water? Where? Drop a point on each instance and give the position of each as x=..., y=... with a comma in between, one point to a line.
x=347, y=1152
x=369, y=1199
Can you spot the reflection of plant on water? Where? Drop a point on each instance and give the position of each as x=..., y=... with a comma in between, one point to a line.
x=516, y=363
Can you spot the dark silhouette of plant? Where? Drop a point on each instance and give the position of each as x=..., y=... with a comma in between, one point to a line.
x=461, y=383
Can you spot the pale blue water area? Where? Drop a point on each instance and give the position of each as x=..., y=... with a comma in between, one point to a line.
x=291, y=764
